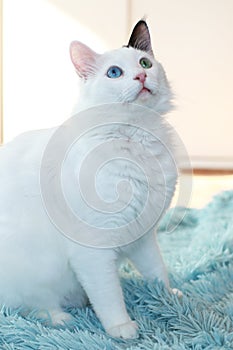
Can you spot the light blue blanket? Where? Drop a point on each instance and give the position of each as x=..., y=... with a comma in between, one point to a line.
x=199, y=256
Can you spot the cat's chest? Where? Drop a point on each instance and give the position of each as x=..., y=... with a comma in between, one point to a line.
x=119, y=155
x=112, y=177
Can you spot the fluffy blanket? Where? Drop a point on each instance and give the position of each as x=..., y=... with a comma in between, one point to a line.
x=199, y=256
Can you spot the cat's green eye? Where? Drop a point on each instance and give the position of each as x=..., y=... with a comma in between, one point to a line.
x=145, y=63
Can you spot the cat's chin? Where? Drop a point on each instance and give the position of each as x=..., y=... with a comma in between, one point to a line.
x=144, y=94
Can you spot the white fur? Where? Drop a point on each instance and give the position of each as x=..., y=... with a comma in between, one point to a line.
x=39, y=267
x=125, y=88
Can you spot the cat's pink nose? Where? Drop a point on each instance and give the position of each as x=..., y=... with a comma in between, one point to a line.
x=141, y=77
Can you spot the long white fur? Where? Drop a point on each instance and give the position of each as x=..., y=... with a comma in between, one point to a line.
x=39, y=267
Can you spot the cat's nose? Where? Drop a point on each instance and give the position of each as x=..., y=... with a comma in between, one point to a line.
x=141, y=77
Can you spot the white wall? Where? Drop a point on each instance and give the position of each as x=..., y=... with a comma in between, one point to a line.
x=193, y=39
x=40, y=84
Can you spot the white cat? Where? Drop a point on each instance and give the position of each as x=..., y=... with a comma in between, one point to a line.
x=39, y=267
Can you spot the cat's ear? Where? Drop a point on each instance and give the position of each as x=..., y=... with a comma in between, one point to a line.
x=140, y=37
x=83, y=58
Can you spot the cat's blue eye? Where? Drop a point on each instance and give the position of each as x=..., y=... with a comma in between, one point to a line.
x=114, y=72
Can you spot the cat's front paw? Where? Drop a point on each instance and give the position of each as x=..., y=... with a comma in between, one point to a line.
x=55, y=317
x=127, y=330
x=176, y=291
x=60, y=317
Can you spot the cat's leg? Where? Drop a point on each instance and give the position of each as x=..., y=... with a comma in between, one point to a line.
x=76, y=297
x=145, y=255
x=97, y=271
x=50, y=310
x=49, y=314
x=55, y=317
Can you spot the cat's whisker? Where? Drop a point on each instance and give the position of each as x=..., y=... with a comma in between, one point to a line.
x=130, y=93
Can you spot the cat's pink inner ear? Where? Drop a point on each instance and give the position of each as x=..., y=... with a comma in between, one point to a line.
x=83, y=58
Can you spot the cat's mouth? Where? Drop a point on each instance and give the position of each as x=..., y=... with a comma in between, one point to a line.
x=144, y=92
x=144, y=89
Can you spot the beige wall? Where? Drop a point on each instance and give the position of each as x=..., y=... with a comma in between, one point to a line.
x=107, y=18
x=40, y=85
x=1, y=82
x=193, y=39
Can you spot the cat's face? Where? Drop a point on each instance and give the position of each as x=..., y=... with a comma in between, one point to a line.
x=126, y=75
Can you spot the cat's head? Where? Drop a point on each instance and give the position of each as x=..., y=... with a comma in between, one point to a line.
x=129, y=74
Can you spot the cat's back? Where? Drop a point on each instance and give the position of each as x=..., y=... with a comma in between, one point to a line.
x=20, y=162
x=28, y=146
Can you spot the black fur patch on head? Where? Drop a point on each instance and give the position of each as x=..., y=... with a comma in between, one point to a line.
x=140, y=37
